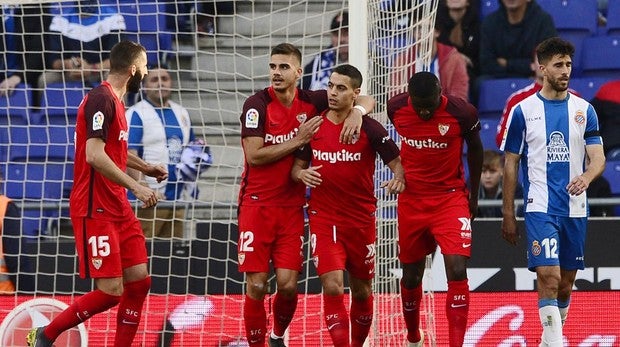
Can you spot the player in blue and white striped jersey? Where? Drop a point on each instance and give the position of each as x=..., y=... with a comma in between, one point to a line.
x=555, y=136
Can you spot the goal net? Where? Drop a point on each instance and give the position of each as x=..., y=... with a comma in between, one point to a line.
x=217, y=56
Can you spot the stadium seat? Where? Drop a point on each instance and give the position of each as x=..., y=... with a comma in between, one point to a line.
x=40, y=143
x=493, y=94
x=14, y=108
x=612, y=174
x=59, y=103
x=488, y=129
x=613, y=17
x=587, y=86
x=601, y=57
x=146, y=23
x=488, y=6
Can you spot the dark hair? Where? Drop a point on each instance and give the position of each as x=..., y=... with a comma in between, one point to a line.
x=287, y=49
x=553, y=46
x=340, y=21
x=124, y=54
x=424, y=85
x=490, y=158
x=352, y=72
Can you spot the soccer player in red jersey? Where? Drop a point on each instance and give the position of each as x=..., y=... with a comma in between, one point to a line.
x=109, y=240
x=275, y=122
x=436, y=208
x=342, y=206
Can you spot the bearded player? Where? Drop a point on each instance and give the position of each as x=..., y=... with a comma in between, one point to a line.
x=109, y=240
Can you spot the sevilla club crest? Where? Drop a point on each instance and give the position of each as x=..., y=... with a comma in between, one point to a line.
x=443, y=128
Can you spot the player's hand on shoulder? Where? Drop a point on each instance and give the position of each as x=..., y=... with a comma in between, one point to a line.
x=158, y=171
x=307, y=129
x=352, y=126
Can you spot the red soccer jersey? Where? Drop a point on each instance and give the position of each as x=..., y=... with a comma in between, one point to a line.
x=431, y=151
x=264, y=116
x=100, y=115
x=346, y=197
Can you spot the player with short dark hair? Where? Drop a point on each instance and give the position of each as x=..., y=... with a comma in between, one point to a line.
x=275, y=122
x=555, y=136
x=109, y=240
x=437, y=206
x=342, y=206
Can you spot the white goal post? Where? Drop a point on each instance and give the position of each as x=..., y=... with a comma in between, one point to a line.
x=197, y=292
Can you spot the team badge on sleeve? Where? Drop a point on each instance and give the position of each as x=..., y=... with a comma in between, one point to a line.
x=98, y=121
x=251, y=118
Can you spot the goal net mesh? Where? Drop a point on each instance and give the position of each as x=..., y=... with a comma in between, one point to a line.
x=218, y=56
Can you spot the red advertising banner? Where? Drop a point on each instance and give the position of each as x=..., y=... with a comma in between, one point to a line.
x=496, y=319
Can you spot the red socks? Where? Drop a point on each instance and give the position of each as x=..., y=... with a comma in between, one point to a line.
x=130, y=310
x=255, y=320
x=336, y=319
x=411, y=301
x=82, y=309
x=457, y=307
x=361, y=320
x=283, y=311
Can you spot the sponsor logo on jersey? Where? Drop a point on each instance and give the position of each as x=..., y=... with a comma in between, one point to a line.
x=421, y=144
x=280, y=138
x=557, y=150
x=333, y=157
x=98, y=120
x=123, y=135
x=251, y=119
x=443, y=128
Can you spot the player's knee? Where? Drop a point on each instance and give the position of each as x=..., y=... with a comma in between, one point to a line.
x=139, y=288
x=287, y=289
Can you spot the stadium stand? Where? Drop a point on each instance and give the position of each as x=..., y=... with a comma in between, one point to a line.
x=494, y=93
x=601, y=56
x=587, y=86
x=613, y=18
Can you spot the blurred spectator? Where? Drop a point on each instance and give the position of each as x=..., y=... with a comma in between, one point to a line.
x=606, y=102
x=16, y=266
x=317, y=72
x=509, y=35
x=600, y=188
x=79, y=41
x=188, y=17
x=491, y=184
x=460, y=27
x=23, y=25
x=160, y=132
x=447, y=64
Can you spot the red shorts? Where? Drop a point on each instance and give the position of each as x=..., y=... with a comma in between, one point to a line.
x=270, y=233
x=427, y=222
x=341, y=248
x=105, y=247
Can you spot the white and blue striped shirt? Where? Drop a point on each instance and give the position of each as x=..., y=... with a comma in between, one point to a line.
x=550, y=136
